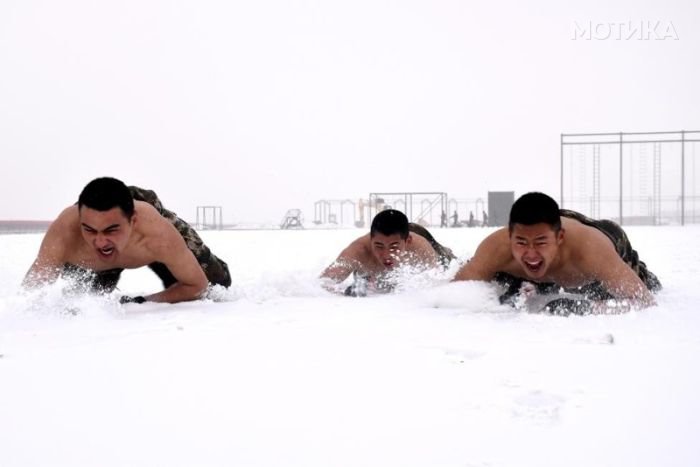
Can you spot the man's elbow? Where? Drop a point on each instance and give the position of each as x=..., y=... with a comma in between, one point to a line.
x=29, y=282
x=200, y=289
x=35, y=279
x=647, y=301
x=193, y=291
x=461, y=276
x=624, y=304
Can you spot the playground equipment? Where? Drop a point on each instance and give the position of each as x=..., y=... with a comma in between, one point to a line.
x=334, y=211
x=293, y=219
x=215, y=218
x=425, y=208
x=466, y=208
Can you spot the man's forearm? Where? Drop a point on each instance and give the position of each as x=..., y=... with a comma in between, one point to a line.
x=620, y=305
x=37, y=277
x=177, y=293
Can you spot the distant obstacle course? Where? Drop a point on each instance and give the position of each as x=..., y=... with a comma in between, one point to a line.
x=335, y=212
x=632, y=178
x=467, y=212
x=425, y=208
x=293, y=219
x=209, y=218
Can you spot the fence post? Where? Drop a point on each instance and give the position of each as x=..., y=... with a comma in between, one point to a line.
x=682, y=177
x=561, y=171
x=621, y=145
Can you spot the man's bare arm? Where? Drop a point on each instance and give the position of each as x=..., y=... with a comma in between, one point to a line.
x=424, y=253
x=347, y=262
x=47, y=266
x=622, y=282
x=492, y=254
x=598, y=260
x=181, y=262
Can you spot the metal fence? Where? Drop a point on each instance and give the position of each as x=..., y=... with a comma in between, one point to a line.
x=645, y=178
x=425, y=208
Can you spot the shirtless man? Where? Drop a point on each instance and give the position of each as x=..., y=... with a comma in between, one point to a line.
x=114, y=227
x=391, y=242
x=545, y=249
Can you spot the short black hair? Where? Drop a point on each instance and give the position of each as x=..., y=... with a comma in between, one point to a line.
x=535, y=208
x=390, y=222
x=105, y=193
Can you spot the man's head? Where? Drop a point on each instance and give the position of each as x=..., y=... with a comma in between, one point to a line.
x=389, y=236
x=535, y=233
x=106, y=210
x=105, y=193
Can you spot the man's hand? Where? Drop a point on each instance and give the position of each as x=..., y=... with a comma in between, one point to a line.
x=566, y=306
x=525, y=297
x=127, y=299
x=358, y=288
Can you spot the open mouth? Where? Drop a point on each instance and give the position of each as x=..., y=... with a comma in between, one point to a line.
x=533, y=266
x=106, y=252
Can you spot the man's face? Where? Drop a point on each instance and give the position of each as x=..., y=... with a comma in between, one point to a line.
x=535, y=247
x=106, y=231
x=388, y=249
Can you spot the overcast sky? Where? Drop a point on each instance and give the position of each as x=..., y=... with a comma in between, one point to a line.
x=262, y=106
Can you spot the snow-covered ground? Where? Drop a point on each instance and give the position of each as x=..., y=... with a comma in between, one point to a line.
x=282, y=373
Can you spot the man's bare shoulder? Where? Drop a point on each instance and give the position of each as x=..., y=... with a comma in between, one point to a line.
x=418, y=241
x=359, y=249
x=149, y=222
x=353, y=257
x=157, y=233
x=147, y=213
x=422, y=249
x=60, y=242
x=66, y=227
x=496, y=246
x=584, y=243
x=492, y=255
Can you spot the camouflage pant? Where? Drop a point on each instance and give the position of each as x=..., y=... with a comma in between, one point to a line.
x=445, y=255
x=214, y=268
x=594, y=290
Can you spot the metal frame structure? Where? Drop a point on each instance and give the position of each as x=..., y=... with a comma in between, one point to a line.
x=428, y=200
x=323, y=211
x=217, y=217
x=621, y=139
x=476, y=206
x=293, y=219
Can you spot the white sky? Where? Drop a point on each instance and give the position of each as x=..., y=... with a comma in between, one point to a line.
x=268, y=105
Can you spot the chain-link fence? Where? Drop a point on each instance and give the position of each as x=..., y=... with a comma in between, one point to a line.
x=633, y=178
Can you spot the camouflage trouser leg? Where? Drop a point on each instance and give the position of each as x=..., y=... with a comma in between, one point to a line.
x=445, y=255
x=214, y=268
